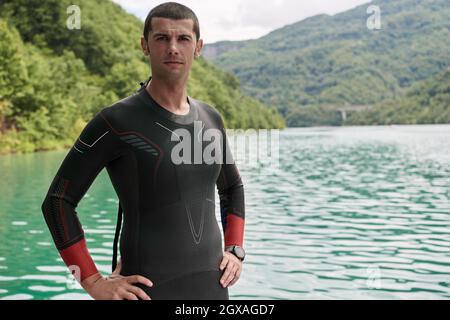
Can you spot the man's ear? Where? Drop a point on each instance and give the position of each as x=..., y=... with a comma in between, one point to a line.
x=198, y=48
x=144, y=46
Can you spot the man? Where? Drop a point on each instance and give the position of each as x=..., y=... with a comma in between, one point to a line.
x=170, y=245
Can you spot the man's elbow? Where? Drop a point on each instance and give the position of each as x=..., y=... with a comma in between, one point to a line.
x=237, y=185
x=44, y=207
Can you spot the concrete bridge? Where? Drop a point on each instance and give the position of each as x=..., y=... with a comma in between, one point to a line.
x=351, y=108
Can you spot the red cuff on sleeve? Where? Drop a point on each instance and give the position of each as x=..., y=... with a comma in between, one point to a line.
x=77, y=255
x=234, y=233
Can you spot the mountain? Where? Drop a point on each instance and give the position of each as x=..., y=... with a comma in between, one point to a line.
x=53, y=79
x=426, y=102
x=332, y=61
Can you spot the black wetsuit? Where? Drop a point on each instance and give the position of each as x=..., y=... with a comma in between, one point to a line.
x=170, y=233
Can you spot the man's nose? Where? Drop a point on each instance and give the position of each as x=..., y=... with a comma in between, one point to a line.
x=173, y=48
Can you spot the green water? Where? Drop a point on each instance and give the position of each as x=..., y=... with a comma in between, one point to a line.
x=351, y=213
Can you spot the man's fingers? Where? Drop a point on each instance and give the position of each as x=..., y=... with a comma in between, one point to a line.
x=225, y=273
x=236, y=277
x=232, y=271
x=228, y=274
x=139, y=279
x=238, y=273
x=138, y=292
x=224, y=262
x=129, y=296
x=231, y=275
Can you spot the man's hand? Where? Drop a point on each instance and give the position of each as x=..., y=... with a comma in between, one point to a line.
x=233, y=269
x=116, y=286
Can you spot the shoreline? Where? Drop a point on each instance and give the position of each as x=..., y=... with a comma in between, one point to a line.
x=67, y=146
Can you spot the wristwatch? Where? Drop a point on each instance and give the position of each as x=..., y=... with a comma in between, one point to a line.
x=237, y=251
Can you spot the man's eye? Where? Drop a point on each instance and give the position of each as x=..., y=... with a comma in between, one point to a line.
x=185, y=38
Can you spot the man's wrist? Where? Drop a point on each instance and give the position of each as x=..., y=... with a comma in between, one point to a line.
x=89, y=282
x=236, y=250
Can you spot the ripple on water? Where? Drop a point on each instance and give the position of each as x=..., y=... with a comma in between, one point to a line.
x=19, y=223
x=46, y=288
x=350, y=213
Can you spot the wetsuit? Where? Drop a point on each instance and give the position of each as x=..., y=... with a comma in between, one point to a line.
x=170, y=233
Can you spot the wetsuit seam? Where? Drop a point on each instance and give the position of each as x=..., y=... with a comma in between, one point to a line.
x=62, y=214
x=115, y=154
x=161, y=152
x=68, y=243
x=66, y=198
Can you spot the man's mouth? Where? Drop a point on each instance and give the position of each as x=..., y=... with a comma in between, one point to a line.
x=173, y=62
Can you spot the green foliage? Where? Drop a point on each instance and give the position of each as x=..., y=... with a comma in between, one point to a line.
x=105, y=37
x=12, y=68
x=427, y=102
x=53, y=80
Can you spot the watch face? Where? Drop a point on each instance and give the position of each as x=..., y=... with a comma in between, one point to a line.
x=239, y=252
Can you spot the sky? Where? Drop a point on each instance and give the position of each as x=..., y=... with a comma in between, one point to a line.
x=245, y=19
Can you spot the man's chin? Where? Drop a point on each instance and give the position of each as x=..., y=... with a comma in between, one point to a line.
x=174, y=74
x=171, y=73
x=174, y=70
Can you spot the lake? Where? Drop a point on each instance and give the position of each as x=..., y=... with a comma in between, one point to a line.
x=349, y=213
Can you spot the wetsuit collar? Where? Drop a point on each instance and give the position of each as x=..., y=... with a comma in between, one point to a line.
x=188, y=118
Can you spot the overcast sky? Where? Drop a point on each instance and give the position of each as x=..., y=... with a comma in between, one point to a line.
x=245, y=19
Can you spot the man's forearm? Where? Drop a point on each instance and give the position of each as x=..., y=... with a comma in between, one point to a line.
x=232, y=206
x=234, y=233
x=79, y=260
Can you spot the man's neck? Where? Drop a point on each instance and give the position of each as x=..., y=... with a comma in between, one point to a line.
x=172, y=96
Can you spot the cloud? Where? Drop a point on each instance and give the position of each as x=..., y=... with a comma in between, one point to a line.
x=245, y=19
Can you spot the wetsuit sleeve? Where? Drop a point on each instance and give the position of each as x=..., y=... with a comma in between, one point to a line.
x=231, y=193
x=93, y=149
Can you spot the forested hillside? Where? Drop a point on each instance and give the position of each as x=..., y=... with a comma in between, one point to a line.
x=324, y=62
x=53, y=80
x=427, y=102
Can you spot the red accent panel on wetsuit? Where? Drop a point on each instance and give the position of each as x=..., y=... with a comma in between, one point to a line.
x=78, y=255
x=234, y=233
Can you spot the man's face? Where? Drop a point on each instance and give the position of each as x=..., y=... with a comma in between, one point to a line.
x=171, y=46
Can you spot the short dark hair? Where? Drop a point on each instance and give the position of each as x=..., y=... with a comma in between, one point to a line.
x=171, y=10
